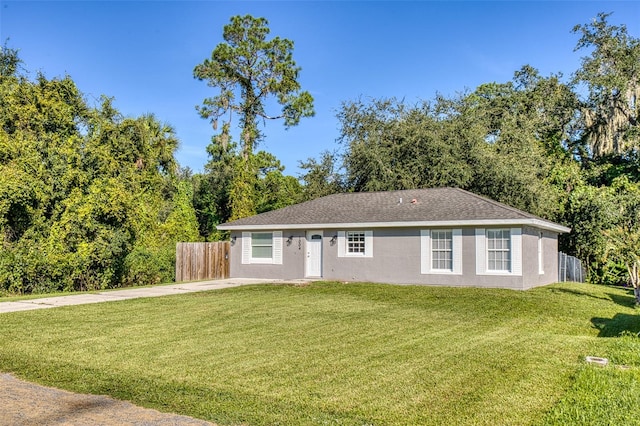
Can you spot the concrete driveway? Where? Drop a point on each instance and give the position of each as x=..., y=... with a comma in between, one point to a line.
x=130, y=293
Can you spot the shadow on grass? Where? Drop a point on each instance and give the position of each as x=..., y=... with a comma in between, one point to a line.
x=612, y=327
x=579, y=293
x=627, y=300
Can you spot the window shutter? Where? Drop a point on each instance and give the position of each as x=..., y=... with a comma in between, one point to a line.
x=425, y=251
x=540, y=253
x=246, y=248
x=277, y=247
x=368, y=243
x=341, y=244
x=516, y=251
x=481, y=251
x=457, y=250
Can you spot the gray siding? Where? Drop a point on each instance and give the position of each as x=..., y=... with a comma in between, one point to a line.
x=530, y=267
x=292, y=266
x=396, y=259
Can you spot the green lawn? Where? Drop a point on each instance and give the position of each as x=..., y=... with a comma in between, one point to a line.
x=346, y=354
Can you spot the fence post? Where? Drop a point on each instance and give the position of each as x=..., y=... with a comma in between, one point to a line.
x=179, y=264
x=561, y=277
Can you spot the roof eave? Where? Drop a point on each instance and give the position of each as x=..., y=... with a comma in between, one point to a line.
x=538, y=223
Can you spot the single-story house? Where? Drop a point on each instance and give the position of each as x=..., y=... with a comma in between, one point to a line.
x=437, y=236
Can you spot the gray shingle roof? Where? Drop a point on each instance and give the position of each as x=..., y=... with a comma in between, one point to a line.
x=411, y=207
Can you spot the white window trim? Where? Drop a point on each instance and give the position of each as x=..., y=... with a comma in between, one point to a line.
x=426, y=266
x=482, y=260
x=498, y=235
x=368, y=244
x=276, y=252
x=541, y=253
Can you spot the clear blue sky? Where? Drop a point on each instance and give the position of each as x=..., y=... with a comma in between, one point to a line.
x=143, y=53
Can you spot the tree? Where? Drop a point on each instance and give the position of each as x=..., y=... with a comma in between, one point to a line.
x=212, y=188
x=623, y=238
x=504, y=140
x=9, y=61
x=389, y=145
x=612, y=76
x=274, y=189
x=89, y=199
x=321, y=177
x=248, y=70
x=529, y=126
x=590, y=212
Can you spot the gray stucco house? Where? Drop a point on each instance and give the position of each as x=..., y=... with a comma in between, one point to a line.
x=438, y=236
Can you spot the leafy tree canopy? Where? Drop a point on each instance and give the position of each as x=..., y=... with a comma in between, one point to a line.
x=86, y=194
x=611, y=74
x=248, y=69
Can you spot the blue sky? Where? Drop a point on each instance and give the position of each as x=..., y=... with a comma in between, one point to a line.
x=143, y=53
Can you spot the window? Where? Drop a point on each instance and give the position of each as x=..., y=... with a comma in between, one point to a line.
x=262, y=247
x=499, y=250
x=441, y=251
x=355, y=243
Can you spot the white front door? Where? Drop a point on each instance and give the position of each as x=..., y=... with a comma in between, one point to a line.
x=313, y=266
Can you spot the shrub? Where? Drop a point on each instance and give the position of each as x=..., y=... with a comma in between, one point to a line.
x=145, y=266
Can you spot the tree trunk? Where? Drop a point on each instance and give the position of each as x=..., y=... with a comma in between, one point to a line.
x=634, y=274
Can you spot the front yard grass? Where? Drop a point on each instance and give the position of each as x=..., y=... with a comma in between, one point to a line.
x=347, y=354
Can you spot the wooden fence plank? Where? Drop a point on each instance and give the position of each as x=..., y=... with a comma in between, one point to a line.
x=199, y=258
x=208, y=251
x=193, y=262
x=213, y=257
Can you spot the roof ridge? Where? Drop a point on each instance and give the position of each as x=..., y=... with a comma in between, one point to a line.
x=388, y=191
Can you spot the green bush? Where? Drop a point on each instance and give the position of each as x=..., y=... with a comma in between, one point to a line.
x=24, y=269
x=145, y=266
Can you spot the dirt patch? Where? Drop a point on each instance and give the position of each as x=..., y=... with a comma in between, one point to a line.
x=25, y=403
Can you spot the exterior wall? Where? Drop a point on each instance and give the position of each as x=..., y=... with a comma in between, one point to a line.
x=530, y=267
x=397, y=260
x=292, y=266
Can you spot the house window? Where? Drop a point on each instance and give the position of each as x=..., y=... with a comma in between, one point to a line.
x=355, y=242
x=262, y=247
x=499, y=250
x=442, y=250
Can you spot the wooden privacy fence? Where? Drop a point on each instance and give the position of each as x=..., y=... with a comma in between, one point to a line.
x=202, y=261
